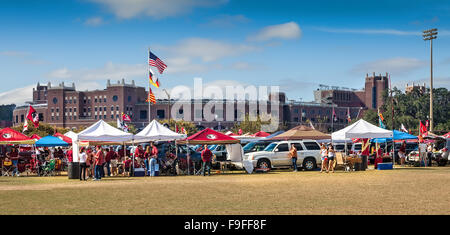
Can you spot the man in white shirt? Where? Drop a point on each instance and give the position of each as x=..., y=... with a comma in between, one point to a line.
x=423, y=153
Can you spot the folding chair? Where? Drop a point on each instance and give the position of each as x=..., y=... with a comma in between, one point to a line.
x=341, y=162
x=7, y=170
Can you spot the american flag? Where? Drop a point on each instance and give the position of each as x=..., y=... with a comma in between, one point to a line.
x=153, y=60
x=151, y=97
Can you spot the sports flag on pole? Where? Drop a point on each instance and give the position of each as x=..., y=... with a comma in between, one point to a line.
x=184, y=130
x=153, y=60
x=33, y=116
x=125, y=117
x=402, y=128
x=151, y=77
x=422, y=129
x=151, y=97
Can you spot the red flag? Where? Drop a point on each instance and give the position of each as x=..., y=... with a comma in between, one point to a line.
x=33, y=116
x=240, y=132
x=422, y=129
x=176, y=129
x=125, y=117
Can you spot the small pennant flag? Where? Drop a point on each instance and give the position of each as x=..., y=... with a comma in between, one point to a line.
x=25, y=126
x=184, y=130
x=125, y=117
x=402, y=128
x=151, y=77
x=334, y=116
x=151, y=97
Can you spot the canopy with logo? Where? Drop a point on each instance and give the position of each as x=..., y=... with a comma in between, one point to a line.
x=156, y=131
x=301, y=132
x=261, y=134
x=209, y=136
x=10, y=136
x=51, y=141
x=35, y=136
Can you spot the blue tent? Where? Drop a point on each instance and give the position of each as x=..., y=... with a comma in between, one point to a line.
x=51, y=141
x=398, y=135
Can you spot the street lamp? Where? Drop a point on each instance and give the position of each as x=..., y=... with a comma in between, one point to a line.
x=429, y=35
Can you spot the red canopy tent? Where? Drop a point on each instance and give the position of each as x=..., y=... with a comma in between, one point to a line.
x=10, y=136
x=34, y=136
x=208, y=136
x=261, y=134
x=63, y=137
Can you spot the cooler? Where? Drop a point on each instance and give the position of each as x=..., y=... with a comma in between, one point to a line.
x=385, y=166
x=139, y=172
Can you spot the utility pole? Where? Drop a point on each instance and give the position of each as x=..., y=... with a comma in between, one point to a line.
x=429, y=35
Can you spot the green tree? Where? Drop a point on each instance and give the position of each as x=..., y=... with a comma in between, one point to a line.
x=252, y=126
x=43, y=129
x=190, y=127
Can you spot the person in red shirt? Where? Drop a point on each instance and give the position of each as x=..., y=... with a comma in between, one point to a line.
x=99, y=160
x=109, y=156
x=69, y=155
x=206, y=157
x=139, y=155
x=14, y=156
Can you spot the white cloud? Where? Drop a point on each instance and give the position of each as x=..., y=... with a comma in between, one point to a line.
x=371, y=31
x=17, y=96
x=20, y=54
x=289, y=30
x=157, y=9
x=206, y=49
x=94, y=21
x=227, y=21
x=399, y=65
x=108, y=71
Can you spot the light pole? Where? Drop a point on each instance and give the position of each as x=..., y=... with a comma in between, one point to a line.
x=168, y=110
x=429, y=35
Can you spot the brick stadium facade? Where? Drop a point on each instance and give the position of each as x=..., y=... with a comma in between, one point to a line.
x=63, y=106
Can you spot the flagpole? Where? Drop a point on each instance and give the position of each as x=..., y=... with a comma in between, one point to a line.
x=149, y=106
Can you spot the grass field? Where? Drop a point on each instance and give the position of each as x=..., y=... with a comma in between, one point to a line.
x=399, y=191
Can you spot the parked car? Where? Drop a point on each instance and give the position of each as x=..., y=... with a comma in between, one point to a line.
x=340, y=147
x=275, y=155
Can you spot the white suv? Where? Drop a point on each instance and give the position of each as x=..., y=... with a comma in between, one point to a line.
x=275, y=155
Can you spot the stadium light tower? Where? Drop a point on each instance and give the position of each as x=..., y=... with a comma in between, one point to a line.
x=430, y=35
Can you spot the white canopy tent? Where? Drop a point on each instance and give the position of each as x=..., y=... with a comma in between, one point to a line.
x=361, y=129
x=71, y=134
x=156, y=131
x=99, y=132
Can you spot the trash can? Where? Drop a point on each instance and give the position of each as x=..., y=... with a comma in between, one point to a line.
x=364, y=162
x=73, y=170
x=357, y=166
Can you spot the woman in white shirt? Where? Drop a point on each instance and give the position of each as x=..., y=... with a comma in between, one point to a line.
x=331, y=157
x=83, y=166
x=324, y=157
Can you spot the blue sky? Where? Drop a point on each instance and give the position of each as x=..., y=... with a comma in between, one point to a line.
x=294, y=44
